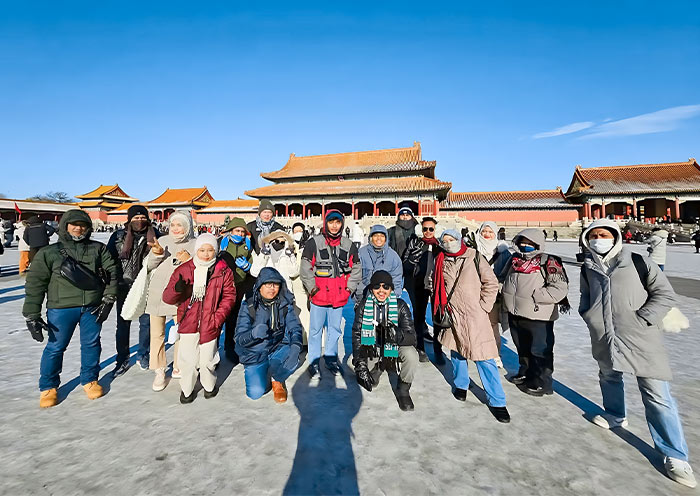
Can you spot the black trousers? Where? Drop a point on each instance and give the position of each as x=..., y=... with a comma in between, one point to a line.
x=534, y=340
x=419, y=297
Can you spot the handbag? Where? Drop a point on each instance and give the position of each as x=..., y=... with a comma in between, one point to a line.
x=78, y=274
x=443, y=319
x=136, y=299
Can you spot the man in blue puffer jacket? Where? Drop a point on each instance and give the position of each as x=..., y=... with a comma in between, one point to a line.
x=377, y=255
x=268, y=336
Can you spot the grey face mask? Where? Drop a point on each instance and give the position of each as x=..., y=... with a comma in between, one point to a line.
x=452, y=246
x=79, y=238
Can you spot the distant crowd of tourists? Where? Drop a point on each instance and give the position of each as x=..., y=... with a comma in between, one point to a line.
x=278, y=298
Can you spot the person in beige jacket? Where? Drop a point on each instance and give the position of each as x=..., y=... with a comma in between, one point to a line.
x=473, y=286
x=534, y=286
x=167, y=253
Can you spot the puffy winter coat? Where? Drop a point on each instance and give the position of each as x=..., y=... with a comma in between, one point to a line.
x=254, y=313
x=161, y=268
x=405, y=332
x=399, y=237
x=206, y=317
x=285, y=263
x=245, y=250
x=624, y=320
x=335, y=289
x=473, y=299
x=20, y=228
x=255, y=233
x=44, y=277
x=115, y=245
x=418, y=262
x=373, y=259
x=37, y=234
x=529, y=295
x=657, y=246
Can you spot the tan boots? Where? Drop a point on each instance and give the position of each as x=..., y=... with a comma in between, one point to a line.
x=93, y=390
x=279, y=392
x=48, y=398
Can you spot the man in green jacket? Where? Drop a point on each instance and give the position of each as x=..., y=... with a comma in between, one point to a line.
x=78, y=278
x=235, y=248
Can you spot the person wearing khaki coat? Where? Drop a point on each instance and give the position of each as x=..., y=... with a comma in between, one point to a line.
x=474, y=288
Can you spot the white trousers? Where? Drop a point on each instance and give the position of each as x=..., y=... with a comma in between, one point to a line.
x=197, y=360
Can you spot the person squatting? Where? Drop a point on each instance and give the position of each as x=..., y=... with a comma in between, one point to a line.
x=273, y=294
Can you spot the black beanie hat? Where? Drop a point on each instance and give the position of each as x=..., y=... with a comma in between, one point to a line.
x=135, y=210
x=381, y=276
x=299, y=224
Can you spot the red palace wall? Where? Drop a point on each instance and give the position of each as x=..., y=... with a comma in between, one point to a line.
x=518, y=217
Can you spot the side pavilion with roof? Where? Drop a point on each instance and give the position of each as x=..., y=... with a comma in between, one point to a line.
x=160, y=208
x=356, y=183
x=98, y=202
x=541, y=208
x=646, y=191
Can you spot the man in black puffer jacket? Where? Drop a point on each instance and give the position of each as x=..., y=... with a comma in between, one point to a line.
x=129, y=246
x=383, y=338
x=36, y=235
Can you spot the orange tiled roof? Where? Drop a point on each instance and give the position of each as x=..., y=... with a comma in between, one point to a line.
x=113, y=191
x=99, y=203
x=231, y=206
x=354, y=186
x=673, y=177
x=121, y=209
x=506, y=200
x=338, y=164
x=186, y=196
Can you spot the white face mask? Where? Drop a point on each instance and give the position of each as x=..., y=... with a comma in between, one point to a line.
x=297, y=236
x=601, y=246
x=452, y=246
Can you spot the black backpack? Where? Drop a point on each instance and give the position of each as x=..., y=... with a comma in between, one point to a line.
x=639, y=265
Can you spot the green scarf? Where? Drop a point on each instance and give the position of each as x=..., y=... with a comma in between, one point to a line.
x=369, y=324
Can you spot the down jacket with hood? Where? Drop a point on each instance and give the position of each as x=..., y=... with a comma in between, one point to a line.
x=44, y=277
x=384, y=258
x=528, y=295
x=206, y=317
x=623, y=318
x=657, y=246
x=284, y=260
x=285, y=331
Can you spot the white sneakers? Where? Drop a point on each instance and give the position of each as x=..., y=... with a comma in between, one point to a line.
x=159, y=381
x=680, y=471
x=607, y=421
x=176, y=374
x=499, y=362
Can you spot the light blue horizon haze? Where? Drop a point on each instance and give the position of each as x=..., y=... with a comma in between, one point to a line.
x=504, y=95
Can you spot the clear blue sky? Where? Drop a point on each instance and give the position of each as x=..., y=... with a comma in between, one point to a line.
x=504, y=95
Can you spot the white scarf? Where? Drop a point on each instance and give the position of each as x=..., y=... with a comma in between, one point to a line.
x=201, y=268
x=487, y=247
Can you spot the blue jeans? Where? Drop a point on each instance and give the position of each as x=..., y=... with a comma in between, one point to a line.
x=661, y=266
x=123, y=330
x=318, y=318
x=488, y=372
x=62, y=323
x=257, y=377
x=659, y=406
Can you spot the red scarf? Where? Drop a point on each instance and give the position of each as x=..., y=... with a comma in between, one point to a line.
x=439, y=290
x=430, y=241
x=526, y=266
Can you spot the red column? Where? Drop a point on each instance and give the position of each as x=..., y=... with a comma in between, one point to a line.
x=677, y=204
x=436, y=209
x=602, y=209
x=286, y=209
x=396, y=208
x=634, y=207
x=303, y=211
x=354, y=213
x=323, y=210
x=375, y=208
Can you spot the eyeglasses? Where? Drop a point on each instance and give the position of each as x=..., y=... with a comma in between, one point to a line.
x=428, y=229
x=381, y=285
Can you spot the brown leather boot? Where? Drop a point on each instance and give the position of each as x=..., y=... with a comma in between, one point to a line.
x=93, y=390
x=279, y=392
x=48, y=398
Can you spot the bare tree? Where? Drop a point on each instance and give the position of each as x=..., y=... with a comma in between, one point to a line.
x=53, y=196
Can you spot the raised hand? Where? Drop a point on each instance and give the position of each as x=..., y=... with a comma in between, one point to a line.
x=156, y=249
x=183, y=256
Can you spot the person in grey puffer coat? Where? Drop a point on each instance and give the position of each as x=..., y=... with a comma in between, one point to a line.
x=657, y=246
x=624, y=316
x=533, y=286
x=377, y=255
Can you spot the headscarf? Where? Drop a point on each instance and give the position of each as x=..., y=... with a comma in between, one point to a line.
x=487, y=247
x=186, y=220
x=201, y=268
x=440, y=291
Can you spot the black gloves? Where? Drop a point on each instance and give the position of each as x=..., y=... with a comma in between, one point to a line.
x=180, y=285
x=364, y=378
x=292, y=361
x=390, y=333
x=35, y=326
x=103, y=309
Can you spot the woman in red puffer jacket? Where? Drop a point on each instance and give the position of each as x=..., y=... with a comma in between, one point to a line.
x=204, y=291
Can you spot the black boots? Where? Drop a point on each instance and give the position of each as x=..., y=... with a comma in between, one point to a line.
x=460, y=394
x=539, y=378
x=187, y=399
x=500, y=413
x=212, y=393
x=422, y=356
x=404, y=399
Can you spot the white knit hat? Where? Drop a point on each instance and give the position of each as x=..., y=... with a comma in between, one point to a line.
x=206, y=239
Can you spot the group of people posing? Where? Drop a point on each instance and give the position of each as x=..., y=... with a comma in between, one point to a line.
x=273, y=294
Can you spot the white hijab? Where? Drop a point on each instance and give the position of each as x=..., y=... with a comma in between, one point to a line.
x=186, y=220
x=487, y=247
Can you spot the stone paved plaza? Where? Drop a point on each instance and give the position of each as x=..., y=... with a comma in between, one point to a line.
x=335, y=438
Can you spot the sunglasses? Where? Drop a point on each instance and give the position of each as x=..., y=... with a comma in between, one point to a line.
x=428, y=229
x=381, y=285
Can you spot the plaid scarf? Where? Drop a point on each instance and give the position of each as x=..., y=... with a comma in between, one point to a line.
x=370, y=323
x=526, y=266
